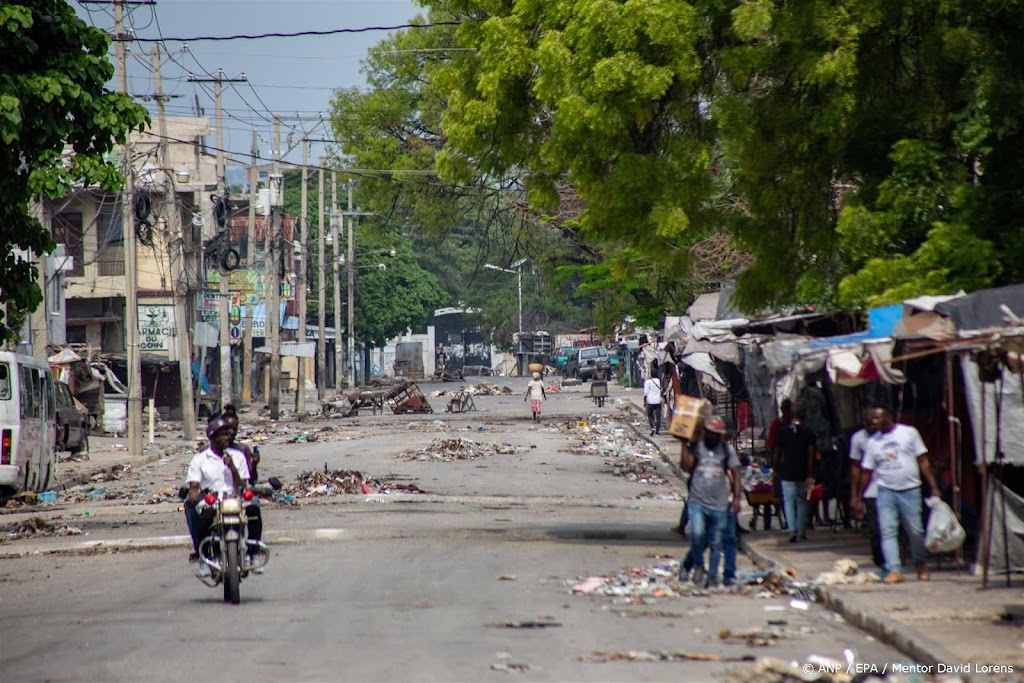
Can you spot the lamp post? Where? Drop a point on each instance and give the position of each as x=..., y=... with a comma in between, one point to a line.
x=517, y=269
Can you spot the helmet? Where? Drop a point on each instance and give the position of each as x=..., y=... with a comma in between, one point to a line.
x=216, y=425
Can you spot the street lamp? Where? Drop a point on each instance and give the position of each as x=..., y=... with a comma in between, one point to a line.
x=517, y=268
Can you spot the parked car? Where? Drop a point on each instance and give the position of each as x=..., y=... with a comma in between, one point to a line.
x=584, y=362
x=559, y=358
x=71, y=423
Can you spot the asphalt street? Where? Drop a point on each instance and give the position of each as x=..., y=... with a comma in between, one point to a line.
x=470, y=581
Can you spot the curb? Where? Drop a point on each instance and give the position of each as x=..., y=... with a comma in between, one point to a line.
x=901, y=636
x=85, y=476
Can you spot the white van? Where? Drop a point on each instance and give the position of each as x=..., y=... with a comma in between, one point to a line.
x=28, y=458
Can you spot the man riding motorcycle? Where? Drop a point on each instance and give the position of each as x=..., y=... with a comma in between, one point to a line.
x=217, y=469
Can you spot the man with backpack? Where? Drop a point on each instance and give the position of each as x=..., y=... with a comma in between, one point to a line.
x=710, y=461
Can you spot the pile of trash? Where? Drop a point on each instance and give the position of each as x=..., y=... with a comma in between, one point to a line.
x=646, y=585
x=482, y=389
x=337, y=482
x=627, y=455
x=37, y=526
x=448, y=450
x=845, y=572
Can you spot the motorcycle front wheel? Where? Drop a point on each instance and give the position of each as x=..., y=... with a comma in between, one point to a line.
x=232, y=573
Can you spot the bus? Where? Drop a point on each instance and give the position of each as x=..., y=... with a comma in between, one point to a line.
x=28, y=456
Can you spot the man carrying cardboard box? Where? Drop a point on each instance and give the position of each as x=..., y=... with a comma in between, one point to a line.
x=709, y=459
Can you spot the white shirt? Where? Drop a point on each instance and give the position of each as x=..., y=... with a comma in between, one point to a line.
x=536, y=388
x=208, y=469
x=858, y=446
x=893, y=457
x=652, y=391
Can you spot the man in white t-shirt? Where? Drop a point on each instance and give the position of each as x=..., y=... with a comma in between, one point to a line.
x=859, y=483
x=897, y=460
x=652, y=401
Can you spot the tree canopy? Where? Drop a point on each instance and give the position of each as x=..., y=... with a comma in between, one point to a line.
x=858, y=152
x=58, y=124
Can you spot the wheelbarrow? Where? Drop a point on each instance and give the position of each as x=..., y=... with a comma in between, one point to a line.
x=599, y=392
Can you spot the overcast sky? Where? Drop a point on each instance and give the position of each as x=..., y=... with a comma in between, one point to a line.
x=286, y=76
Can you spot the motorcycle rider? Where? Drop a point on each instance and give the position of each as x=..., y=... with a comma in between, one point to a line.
x=218, y=469
x=252, y=456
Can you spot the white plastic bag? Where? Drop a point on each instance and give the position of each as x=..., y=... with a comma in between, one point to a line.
x=944, y=533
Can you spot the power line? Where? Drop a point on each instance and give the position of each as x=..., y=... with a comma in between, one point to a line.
x=297, y=34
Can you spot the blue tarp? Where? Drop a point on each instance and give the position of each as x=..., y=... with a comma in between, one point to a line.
x=881, y=322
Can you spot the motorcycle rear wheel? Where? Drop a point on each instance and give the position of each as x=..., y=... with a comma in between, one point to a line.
x=232, y=574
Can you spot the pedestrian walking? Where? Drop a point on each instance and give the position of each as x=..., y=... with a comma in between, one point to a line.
x=896, y=458
x=860, y=482
x=535, y=395
x=652, y=401
x=711, y=462
x=795, y=447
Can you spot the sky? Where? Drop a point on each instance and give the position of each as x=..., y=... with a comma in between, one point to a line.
x=286, y=76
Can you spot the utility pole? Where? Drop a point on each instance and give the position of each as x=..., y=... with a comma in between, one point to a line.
x=226, y=384
x=274, y=312
x=131, y=273
x=339, y=349
x=173, y=217
x=247, y=333
x=300, y=281
x=351, y=286
x=321, y=297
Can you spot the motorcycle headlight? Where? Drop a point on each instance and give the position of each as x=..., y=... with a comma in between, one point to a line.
x=230, y=506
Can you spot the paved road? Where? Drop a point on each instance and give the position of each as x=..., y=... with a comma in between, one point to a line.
x=402, y=587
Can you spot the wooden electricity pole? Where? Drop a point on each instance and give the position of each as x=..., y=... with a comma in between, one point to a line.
x=274, y=310
x=339, y=348
x=226, y=384
x=321, y=297
x=173, y=218
x=247, y=333
x=300, y=280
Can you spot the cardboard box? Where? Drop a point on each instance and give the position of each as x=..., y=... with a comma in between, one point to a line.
x=688, y=415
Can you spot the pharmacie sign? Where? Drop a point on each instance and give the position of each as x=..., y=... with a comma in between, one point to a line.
x=156, y=327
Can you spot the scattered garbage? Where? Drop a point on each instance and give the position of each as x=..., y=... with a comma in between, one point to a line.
x=626, y=454
x=511, y=667
x=47, y=497
x=326, y=482
x=845, y=571
x=37, y=526
x=664, y=656
x=448, y=450
x=646, y=585
x=507, y=577
x=544, y=623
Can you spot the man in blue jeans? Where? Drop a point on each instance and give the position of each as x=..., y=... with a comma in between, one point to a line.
x=896, y=458
x=795, y=446
x=709, y=460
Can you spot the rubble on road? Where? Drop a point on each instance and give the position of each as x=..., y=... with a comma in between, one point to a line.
x=845, y=572
x=337, y=482
x=662, y=656
x=627, y=455
x=449, y=450
x=482, y=389
x=37, y=526
x=647, y=585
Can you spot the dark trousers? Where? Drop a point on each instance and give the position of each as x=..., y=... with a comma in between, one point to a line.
x=874, y=531
x=654, y=416
x=199, y=523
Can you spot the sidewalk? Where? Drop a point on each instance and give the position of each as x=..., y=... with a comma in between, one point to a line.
x=110, y=454
x=948, y=620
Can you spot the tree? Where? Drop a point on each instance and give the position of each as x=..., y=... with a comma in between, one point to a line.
x=58, y=124
x=845, y=147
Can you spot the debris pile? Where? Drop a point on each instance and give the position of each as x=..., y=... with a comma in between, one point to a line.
x=626, y=454
x=337, y=482
x=448, y=450
x=482, y=389
x=646, y=585
x=37, y=526
x=844, y=572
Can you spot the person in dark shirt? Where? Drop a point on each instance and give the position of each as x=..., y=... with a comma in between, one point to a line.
x=795, y=446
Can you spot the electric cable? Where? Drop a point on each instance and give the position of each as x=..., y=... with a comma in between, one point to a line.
x=296, y=34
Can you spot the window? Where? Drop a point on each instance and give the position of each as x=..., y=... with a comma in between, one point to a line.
x=589, y=353
x=66, y=229
x=5, y=382
x=75, y=334
x=111, y=243
x=26, y=392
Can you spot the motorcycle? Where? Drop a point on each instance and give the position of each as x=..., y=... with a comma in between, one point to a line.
x=228, y=551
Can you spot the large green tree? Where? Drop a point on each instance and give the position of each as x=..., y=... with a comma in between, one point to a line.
x=858, y=151
x=58, y=125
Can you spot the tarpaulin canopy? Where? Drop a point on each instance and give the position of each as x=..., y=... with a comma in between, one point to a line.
x=983, y=308
x=881, y=322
